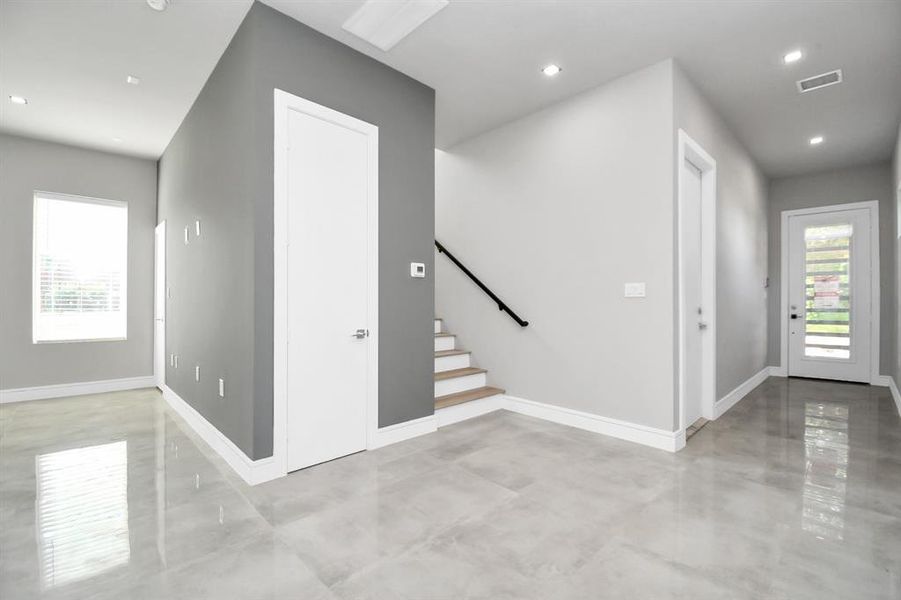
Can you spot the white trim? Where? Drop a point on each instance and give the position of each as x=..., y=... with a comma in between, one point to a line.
x=62, y=390
x=469, y=410
x=661, y=439
x=399, y=432
x=742, y=390
x=875, y=295
x=251, y=471
x=690, y=150
x=283, y=102
x=896, y=393
x=159, y=341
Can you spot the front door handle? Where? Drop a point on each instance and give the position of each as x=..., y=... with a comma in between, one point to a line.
x=360, y=334
x=702, y=326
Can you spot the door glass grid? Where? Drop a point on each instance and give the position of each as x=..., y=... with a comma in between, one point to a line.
x=828, y=291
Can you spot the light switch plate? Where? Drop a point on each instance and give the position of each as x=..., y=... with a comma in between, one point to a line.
x=197, y=373
x=221, y=388
x=635, y=290
x=417, y=270
x=197, y=227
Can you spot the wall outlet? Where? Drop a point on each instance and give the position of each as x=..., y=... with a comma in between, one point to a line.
x=417, y=270
x=197, y=373
x=221, y=388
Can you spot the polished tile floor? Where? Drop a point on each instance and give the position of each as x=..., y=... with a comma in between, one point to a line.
x=793, y=494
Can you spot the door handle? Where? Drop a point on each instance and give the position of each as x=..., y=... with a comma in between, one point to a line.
x=360, y=334
x=702, y=326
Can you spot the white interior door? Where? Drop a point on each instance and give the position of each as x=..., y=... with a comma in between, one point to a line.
x=830, y=295
x=328, y=287
x=159, y=306
x=692, y=297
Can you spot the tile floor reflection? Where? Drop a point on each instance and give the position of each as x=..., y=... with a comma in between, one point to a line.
x=795, y=493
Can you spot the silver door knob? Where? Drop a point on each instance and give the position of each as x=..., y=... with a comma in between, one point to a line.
x=360, y=334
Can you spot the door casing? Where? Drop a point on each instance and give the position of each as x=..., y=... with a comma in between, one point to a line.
x=284, y=102
x=159, y=305
x=875, y=297
x=689, y=150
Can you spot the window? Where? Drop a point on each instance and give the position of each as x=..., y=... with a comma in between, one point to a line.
x=79, y=269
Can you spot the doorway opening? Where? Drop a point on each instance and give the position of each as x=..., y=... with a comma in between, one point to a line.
x=325, y=376
x=696, y=180
x=830, y=292
x=159, y=306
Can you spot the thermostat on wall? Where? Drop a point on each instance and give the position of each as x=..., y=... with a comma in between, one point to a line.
x=417, y=270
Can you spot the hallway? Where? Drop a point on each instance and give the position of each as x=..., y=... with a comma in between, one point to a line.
x=791, y=494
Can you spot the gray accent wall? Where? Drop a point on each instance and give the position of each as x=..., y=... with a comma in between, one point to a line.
x=741, y=242
x=840, y=186
x=27, y=165
x=219, y=167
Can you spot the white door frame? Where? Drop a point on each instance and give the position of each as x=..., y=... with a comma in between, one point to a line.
x=159, y=341
x=690, y=150
x=875, y=296
x=284, y=102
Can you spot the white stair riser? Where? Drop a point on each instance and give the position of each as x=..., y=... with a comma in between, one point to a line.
x=437, y=325
x=455, y=361
x=460, y=384
x=445, y=342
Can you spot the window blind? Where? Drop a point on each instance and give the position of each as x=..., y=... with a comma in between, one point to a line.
x=80, y=258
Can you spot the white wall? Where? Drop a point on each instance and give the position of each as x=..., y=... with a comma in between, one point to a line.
x=741, y=335
x=555, y=212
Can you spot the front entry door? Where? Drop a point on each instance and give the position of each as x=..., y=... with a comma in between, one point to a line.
x=830, y=295
x=329, y=180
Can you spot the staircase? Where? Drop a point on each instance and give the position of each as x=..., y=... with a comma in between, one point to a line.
x=456, y=380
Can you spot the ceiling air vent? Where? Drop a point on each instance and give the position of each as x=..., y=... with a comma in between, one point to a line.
x=820, y=81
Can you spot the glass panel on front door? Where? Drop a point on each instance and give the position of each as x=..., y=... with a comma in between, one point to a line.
x=827, y=272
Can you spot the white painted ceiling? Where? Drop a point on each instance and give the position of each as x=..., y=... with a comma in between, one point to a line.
x=483, y=58
x=70, y=58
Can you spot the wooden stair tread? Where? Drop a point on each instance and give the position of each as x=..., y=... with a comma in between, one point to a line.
x=467, y=396
x=458, y=373
x=451, y=352
x=444, y=334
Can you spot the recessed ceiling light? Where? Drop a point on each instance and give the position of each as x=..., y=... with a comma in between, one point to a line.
x=159, y=5
x=816, y=140
x=18, y=100
x=117, y=139
x=793, y=56
x=551, y=70
x=133, y=80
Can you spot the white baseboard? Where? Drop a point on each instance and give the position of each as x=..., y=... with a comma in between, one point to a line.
x=743, y=389
x=670, y=441
x=45, y=392
x=469, y=410
x=778, y=371
x=896, y=393
x=251, y=471
x=400, y=432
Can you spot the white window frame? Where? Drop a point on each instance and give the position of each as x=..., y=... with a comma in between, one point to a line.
x=35, y=276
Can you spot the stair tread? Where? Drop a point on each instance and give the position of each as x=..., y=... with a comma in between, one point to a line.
x=439, y=353
x=444, y=334
x=467, y=396
x=458, y=373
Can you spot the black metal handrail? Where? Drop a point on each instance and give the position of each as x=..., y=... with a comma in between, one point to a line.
x=500, y=303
